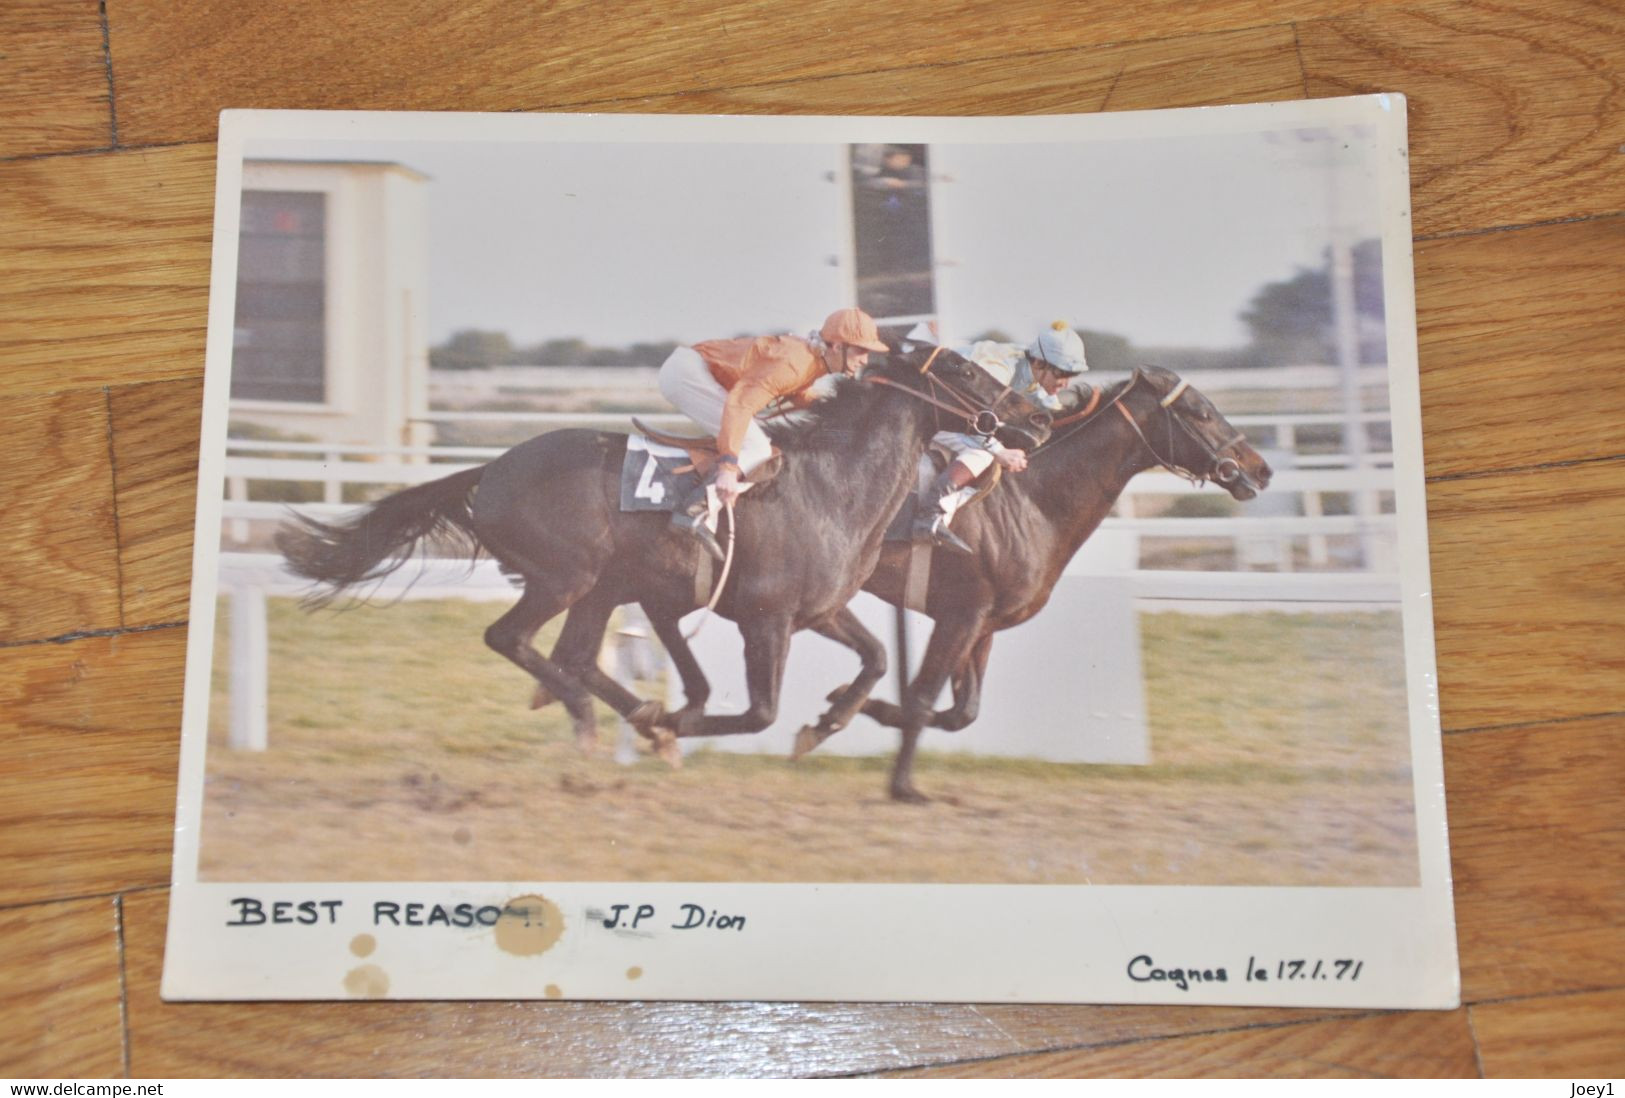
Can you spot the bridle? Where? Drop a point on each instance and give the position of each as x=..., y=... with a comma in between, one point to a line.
x=982, y=421
x=1223, y=468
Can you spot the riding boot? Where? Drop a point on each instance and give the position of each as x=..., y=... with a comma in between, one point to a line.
x=690, y=515
x=936, y=510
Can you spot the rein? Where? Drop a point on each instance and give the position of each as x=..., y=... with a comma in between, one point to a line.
x=1078, y=420
x=1224, y=469
x=961, y=406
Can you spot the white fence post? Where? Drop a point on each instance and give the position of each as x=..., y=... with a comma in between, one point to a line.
x=250, y=669
x=237, y=492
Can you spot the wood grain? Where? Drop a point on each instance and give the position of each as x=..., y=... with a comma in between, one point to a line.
x=58, y=550
x=60, y=997
x=155, y=459
x=1254, y=65
x=1519, y=337
x=54, y=91
x=1515, y=107
x=1529, y=594
x=1415, y=1045
x=104, y=268
x=177, y=67
x=1574, y=1037
x=89, y=744
x=1537, y=839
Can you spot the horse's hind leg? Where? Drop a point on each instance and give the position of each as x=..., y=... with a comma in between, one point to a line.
x=845, y=628
x=511, y=636
x=580, y=641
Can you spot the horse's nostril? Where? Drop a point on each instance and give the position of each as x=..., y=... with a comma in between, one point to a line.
x=1042, y=420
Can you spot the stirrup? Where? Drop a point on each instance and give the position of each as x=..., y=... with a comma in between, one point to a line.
x=694, y=526
x=935, y=530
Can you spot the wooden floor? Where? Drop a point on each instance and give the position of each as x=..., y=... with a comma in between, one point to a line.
x=106, y=189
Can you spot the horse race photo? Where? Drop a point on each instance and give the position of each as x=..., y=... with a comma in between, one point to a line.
x=811, y=506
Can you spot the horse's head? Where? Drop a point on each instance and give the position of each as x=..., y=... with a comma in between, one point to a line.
x=971, y=399
x=1187, y=435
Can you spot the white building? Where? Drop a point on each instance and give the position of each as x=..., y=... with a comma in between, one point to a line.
x=331, y=336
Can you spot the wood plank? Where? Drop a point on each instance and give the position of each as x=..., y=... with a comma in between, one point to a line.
x=1578, y=1037
x=1246, y=66
x=1514, y=106
x=588, y=1039
x=1519, y=336
x=104, y=268
x=1537, y=840
x=60, y=997
x=54, y=93
x=58, y=550
x=1529, y=594
x=155, y=455
x=177, y=68
x=89, y=744
x=1415, y=1045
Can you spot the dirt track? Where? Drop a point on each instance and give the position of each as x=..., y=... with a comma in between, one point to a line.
x=1316, y=794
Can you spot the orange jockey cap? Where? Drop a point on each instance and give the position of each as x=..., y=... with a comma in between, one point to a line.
x=853, y=327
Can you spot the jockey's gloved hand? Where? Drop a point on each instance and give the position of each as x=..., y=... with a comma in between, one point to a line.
x=727, y=483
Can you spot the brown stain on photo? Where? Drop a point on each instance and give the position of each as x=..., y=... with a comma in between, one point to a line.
x=529, y=925
x=362, y=945
x=634, y=972
x=367, y=982
x=552, y=992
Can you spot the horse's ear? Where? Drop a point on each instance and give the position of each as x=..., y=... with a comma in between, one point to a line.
x=1158, y=377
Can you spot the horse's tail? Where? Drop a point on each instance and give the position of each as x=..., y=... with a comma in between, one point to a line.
x=383, y=537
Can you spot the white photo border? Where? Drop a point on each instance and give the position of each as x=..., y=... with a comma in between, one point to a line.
x=851, y=942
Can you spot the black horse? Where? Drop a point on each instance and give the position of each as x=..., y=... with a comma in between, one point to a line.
x=548, y=511
x=1023, y=535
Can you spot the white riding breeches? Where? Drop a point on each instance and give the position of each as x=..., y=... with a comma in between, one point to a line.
x=974, y=458
x=688, y=384
x=969, y=452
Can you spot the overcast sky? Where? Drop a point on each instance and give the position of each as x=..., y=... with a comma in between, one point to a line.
x=1162, y=240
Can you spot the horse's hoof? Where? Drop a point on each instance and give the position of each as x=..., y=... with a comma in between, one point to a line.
x=542, y=698
x=909, y=795
x=666, y=747
x=645, y=717
x=587, y=742
x=806, y=740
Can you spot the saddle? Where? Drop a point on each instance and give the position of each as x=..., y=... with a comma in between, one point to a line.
x=702, y=453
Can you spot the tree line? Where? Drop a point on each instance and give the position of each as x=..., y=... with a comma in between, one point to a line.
x=1289, y=322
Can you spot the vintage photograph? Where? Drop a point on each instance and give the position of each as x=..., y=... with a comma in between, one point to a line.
x=854, y=502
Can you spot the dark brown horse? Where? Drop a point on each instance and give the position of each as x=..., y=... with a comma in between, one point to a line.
x=549, y=512
x=1023, y=534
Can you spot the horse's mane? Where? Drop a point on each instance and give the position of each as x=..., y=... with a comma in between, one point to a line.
x=828, y=424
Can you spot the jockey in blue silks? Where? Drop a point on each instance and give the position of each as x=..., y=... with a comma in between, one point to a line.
x=1038, y=373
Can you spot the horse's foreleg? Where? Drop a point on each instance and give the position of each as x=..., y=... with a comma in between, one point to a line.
x=845, y=628
x=967, y=687
x=949, y=648
x=767, y=649
x=668, y=627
